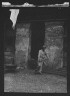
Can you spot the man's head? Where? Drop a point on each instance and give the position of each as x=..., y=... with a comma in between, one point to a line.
x=43, y=48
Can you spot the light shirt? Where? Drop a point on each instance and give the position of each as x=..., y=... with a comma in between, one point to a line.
x=41, y=55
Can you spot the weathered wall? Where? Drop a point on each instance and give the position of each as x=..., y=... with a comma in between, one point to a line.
x=22, y=44
x=54, y=40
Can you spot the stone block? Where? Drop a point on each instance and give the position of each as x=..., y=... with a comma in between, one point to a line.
x=54, y=43
x=22, y=44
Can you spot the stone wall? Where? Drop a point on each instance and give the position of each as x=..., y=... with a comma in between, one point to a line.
x=54, y=40
x=22, y=44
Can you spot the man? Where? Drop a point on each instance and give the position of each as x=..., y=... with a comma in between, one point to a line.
x=41, y=59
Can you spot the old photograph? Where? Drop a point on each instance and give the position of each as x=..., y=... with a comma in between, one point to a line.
x=35, y=50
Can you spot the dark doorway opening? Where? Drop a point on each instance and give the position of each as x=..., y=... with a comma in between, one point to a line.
x=37, y=37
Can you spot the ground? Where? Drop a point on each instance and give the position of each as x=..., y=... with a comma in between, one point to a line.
x=27, y=81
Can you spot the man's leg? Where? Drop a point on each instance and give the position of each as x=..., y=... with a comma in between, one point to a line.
x=39, y=68
x=40, y=65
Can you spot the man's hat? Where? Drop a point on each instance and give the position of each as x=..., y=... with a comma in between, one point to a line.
x=44, y=46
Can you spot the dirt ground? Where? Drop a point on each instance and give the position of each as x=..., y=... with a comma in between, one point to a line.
x=27, y=81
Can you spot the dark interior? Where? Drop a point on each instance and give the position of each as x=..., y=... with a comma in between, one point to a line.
x=37, y=41
x=37, y=37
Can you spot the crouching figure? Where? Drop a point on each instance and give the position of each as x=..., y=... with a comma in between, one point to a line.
x=41, y=59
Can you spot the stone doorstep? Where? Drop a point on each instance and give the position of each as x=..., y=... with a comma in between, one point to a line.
x=9, y=65
x=9, y=57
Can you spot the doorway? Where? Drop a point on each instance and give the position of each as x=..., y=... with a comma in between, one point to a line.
x=37, y=37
